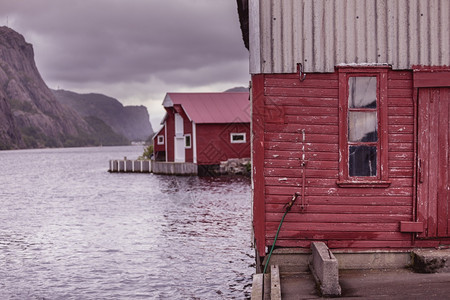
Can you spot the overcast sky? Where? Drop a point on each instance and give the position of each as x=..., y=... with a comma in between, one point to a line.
x=133, y=50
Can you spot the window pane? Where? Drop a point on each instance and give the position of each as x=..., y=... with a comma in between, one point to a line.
x=362, y=92
x=362, y=126
x=187, y=141
x=362, y=161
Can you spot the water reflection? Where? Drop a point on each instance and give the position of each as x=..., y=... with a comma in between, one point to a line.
x=82, y=233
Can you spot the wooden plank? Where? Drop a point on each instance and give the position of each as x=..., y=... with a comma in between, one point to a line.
x=443, y=100
x=302, y=92
x=400, y=93
x=433, y=165
x=295, y=82
x=296, y=164
x=331, y=235
x=409, y=156
x=309, y=128
x=337, y=218
x=409, y=226
x=432, y=79
x=310, y=173
x=318, y=120
x=298, y=137
x=337, y=227
x=301, y=101
x=401, y=110
x=404, y=147
x=338, y=192
x=315, y=147
x=296, y=181
x=404, y=129
x=346, y=200
x=399, y=83
x=343, y=209
x=311, y=76
x=296, y=154
x=400, y=75
x=402, y=102
x=307, y=110
x=258, y=162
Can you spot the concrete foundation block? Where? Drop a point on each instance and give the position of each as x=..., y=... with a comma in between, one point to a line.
x=431, y=261
x=275, y=283
x=324, y=267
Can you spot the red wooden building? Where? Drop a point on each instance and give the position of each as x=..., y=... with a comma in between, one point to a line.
x=351, y=106
x=204, y=128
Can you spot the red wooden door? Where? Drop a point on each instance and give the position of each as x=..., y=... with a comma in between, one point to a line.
x=433, y=162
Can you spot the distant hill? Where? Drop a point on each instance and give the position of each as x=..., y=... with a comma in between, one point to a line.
x=29, y=113
x=32, y=117
x=237, y=89
x=132, y=122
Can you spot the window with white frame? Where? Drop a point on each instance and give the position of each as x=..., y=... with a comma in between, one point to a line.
x=238, y=138
x=187, y=141
x=160, y=140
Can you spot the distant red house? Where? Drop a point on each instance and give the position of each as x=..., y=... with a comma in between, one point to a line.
x=351, y=111
x=204, y=128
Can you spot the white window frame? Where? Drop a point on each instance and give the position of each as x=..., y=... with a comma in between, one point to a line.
x=233, y=134
x=160, y=140
x=190, y=141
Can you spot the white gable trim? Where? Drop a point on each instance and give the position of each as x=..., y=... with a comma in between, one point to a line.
x=167, y=101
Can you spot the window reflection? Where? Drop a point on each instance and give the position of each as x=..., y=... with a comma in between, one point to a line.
x=362, y=161
x=362, y=92
x=362, y=126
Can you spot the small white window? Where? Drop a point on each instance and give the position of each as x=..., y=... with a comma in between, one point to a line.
x=187, y=141
x=160, y=140
x=238, y=138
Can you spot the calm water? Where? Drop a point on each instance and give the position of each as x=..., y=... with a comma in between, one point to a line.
x=71, y=230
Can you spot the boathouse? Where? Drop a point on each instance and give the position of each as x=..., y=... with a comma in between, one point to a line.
x=204, y=129
x=350, y=111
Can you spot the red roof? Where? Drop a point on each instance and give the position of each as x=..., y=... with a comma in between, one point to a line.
x=212, y=107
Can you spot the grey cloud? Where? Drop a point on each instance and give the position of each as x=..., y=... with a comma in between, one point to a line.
x=108, y=40
x=107, y=43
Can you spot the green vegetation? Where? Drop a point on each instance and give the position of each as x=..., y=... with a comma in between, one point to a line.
x=148, y=152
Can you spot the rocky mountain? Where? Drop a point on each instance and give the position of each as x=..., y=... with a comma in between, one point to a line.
x=130, y=121
x=32, y=117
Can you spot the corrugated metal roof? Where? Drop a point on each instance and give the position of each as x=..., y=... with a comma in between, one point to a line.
x=212, y=107
x=321, y=34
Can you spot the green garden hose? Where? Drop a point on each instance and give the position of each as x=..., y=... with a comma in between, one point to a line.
x=288, y=208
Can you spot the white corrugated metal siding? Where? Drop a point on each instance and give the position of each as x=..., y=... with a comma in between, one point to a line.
x=321, y=34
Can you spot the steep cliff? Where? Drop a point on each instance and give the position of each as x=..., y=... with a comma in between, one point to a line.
x=130, y=121
x=30, y=114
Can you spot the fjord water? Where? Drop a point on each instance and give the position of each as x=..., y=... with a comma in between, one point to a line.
x=71, y=230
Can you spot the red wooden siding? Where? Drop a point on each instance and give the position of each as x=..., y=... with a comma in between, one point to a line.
x=159, y=147
x=350, y=217
x=214, y=146
x=433, y=154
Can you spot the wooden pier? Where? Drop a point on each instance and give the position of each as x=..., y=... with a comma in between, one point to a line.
x=150, y=166
x=130, y=166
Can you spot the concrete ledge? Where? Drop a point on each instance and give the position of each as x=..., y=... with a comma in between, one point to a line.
x=257, y=286
x=275, y=283
x=324, y=267
x=372, y=260
x=290, y=260
x=431, y=261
